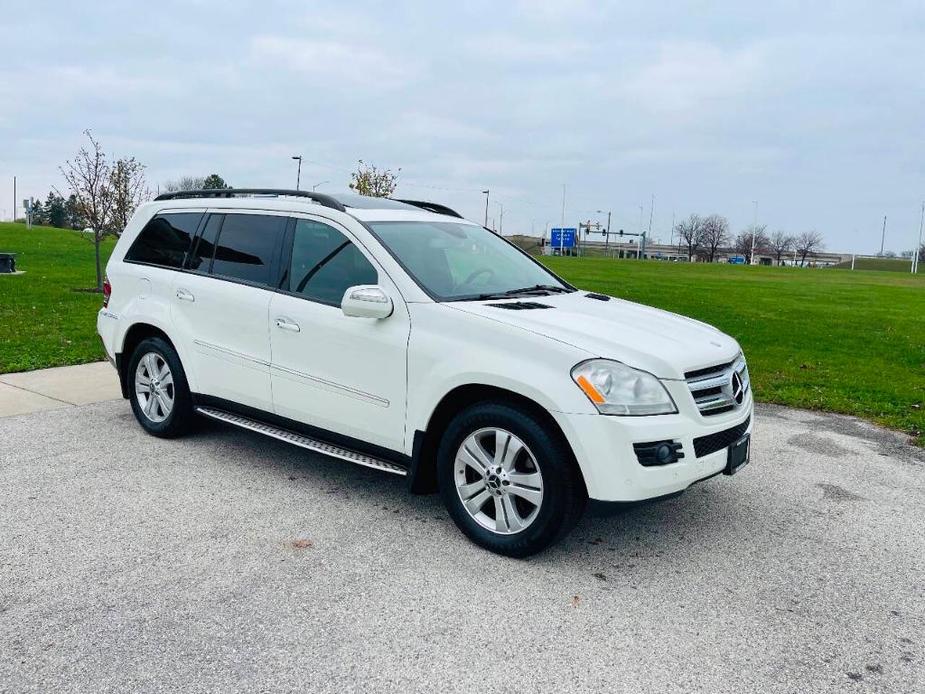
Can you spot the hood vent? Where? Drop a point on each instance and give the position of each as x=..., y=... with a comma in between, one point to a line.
x=521, y=305
x=598, y=297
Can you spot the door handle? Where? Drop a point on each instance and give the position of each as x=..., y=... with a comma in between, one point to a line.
x=286, y=324
x=185, y=295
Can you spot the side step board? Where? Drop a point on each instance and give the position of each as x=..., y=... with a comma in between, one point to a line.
x=303, y=441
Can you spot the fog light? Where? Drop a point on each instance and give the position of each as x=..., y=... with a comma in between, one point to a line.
x=654, y=453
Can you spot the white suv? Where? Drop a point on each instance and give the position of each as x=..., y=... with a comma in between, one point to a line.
x=399, y=336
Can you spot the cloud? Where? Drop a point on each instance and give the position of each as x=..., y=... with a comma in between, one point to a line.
x=333, y=62
x=688, y=79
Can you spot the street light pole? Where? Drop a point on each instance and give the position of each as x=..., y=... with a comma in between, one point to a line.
x=918, y=248
x=501, y=219
x=487, y=194
x=751, y=258
x=298, y=176
x=318, y=184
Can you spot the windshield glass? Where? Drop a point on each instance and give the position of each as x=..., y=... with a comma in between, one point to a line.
x=455, y=261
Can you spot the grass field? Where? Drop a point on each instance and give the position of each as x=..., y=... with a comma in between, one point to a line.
x=850, y=342
x=43, y=321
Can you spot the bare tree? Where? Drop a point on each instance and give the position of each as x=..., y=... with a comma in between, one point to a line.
x=128, y=190
x=806, y=243
x=688, y=231
x=376, y=183
x=715, y=233
x=780, y=242
x=88, y=177
x=184, y=183
x=749, y=239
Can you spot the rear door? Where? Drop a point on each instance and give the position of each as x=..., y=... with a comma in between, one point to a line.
x=346, y=375
x=221, y=304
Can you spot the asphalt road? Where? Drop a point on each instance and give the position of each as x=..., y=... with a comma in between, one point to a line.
x=228, y=561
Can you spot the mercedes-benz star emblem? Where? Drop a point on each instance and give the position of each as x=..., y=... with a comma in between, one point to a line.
x=738, y=389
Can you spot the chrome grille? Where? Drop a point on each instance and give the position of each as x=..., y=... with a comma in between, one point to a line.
x=716, y=389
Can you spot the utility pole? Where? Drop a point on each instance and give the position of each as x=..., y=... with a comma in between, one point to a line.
x=651, y=211
x=501, y=220
x=487, y=194
x=563, y=205
x=14, y=199
x=883, y=236
x=298, y=176
x=918, y=247
x=751, y=257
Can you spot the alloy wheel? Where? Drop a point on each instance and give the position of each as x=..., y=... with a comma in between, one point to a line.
x=154, y=388
x=498, y=481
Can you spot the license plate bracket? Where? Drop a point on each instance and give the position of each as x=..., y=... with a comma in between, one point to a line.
x=739, y=455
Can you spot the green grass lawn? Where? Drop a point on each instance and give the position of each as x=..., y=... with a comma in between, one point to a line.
x=850, y=342
x=43, y=321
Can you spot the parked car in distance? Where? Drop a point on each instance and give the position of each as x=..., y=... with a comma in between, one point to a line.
x=399, y=336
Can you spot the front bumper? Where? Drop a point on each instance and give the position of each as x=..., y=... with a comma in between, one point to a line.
x=603, y=446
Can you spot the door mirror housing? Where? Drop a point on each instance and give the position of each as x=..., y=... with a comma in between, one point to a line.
x=366, y=301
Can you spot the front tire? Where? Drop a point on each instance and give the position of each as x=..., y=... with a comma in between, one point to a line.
x=509, y=482
x=158, y=389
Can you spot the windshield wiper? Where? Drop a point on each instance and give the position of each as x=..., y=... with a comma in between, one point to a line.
x=536, y=289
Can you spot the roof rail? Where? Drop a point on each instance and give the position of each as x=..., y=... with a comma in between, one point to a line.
x=433, y=207
x=320, y=198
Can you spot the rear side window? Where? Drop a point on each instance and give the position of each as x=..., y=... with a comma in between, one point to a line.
x=325, y=263
x=201, y=257
x=165, y=240
x=246, y=246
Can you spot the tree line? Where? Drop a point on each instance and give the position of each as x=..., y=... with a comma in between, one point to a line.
x=703, y=237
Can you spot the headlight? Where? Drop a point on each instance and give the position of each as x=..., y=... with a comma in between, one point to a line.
x=615, y=388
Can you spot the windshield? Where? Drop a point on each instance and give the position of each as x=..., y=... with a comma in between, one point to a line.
x=454, y=262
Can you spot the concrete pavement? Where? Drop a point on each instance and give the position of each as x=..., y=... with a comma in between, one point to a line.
x=52, y=389
x=226, y=561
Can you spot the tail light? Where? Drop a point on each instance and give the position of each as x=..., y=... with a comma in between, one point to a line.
x=107, y=292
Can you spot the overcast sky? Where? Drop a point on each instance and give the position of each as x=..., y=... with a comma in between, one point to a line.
x=816, y=110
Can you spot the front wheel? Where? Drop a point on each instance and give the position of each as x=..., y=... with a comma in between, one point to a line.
x=510, y=484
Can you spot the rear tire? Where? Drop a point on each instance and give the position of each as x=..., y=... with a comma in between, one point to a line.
x=509, y=483
x=158, y=389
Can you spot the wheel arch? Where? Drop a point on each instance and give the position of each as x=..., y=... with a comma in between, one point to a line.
x=422, y=478
x=133, y=337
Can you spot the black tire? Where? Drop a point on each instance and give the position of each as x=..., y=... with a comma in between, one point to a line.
x=564, y=495
x=181, y=417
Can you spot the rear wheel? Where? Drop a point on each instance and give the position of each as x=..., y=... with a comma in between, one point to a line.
x=159, y=393
x=509, y=483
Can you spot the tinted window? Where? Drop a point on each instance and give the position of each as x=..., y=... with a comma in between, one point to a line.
x=165, y=240
x=201, y=257
x=246, y=245
x=325, y=263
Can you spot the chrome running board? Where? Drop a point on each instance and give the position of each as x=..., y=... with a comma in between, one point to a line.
x=302, y=441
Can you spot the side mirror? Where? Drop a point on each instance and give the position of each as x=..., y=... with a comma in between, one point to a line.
x=366, y=301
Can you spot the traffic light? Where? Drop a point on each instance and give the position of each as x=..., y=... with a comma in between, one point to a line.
x=621, y=232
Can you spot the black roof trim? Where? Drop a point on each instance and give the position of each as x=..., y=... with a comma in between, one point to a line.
x=432, y=207
x=320, y=198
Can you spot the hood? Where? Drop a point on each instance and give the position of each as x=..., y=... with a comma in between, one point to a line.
x=662, y=343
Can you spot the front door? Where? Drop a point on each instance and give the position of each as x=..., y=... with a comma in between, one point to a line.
x=342, y=374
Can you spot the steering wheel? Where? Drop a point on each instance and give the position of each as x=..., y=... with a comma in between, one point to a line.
x=481, y=271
